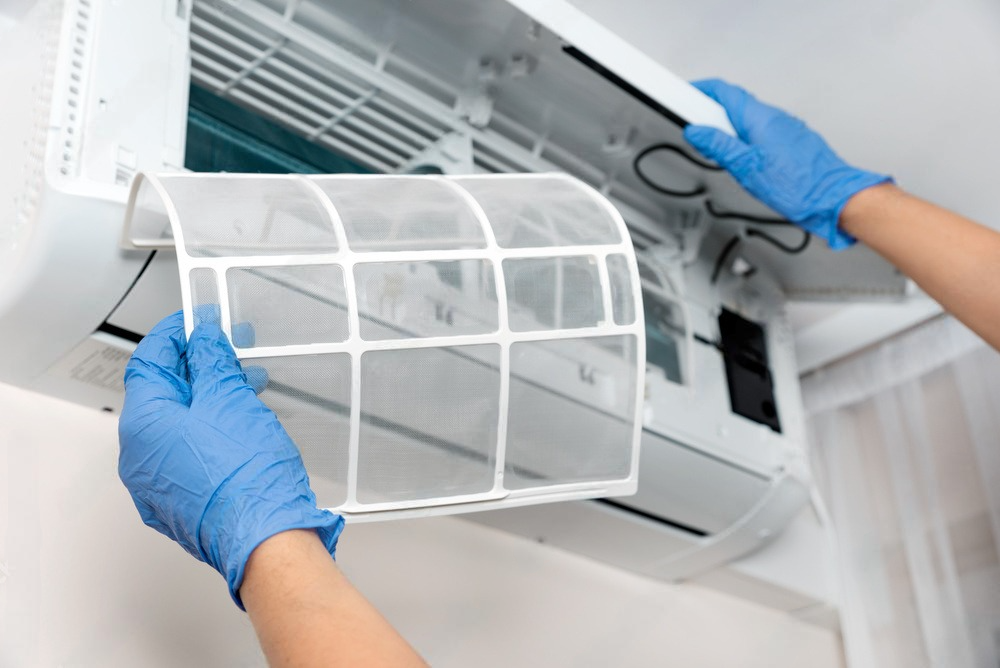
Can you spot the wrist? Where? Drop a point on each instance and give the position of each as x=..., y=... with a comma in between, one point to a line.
x=278, y=550
x=284, y=569
x=240, y=519
x=863, y=207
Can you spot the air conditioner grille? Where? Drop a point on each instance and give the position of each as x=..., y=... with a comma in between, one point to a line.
x=327, y=81
x=239, y=58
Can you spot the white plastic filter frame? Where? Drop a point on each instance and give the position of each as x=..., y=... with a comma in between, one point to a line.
x=153, y=221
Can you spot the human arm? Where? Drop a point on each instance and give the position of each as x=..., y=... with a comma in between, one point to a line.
x=789, y=167
x=209, y=466
x=953, y=259
x=306, y=613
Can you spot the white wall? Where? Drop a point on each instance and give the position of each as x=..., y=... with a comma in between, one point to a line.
x=89, y=585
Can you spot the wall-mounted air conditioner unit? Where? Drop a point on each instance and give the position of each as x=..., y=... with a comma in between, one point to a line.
x=97, y=91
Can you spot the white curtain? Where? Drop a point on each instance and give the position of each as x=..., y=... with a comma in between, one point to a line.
x=905, y=446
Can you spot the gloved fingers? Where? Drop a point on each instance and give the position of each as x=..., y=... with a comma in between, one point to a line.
x=244, y=335
x=751, y=118
x=748, y=115
x=716, y=145
x=257, y=377
x=206, y=313
x=733, y=98
x=212, y=363
x=721, y=91
x=157, y=369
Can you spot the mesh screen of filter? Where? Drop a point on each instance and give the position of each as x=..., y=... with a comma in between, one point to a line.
x=311, y=395
x=572, y=422
x=553, y=293
x=400, y=300
x=542, y=212
x=249, y=216
x=411, y=214
x=429, y=421
x=289, y=305
x=622, y=297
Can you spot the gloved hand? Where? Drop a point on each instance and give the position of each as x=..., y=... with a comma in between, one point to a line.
x=207, y=464
x=781, y=162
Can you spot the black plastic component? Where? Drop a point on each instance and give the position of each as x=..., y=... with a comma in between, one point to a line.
x=751, y=387
x=687, y=528
x=120, y=332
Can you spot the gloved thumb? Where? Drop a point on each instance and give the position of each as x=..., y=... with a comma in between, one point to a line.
x=212, y=363
x=716, y=145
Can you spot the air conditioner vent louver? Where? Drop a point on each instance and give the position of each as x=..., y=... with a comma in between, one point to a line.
x=314, y=95
x=371, y=106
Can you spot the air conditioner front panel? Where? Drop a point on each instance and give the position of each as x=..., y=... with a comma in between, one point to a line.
x=380, y=82
x=96, y=90
x=155, y=294
x=689, y=488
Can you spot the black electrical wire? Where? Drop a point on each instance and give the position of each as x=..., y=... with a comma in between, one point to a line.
x=726, y=252
x=747, y=217
x=652, y=185
x=674, y=148
x=733, y=243
x=781, y=245
x=697, y=190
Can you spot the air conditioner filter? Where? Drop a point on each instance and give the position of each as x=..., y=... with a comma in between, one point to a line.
x=432, y=344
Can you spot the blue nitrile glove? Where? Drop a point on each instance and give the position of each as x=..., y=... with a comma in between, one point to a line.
x=781, y=162
x=207, y=464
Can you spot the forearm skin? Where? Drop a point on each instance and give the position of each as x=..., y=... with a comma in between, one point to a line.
x=307, y=614
x=953, y=259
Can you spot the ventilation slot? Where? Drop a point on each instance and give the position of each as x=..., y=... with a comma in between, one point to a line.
x=313, y=96
x=74, y=93
x=326, y=81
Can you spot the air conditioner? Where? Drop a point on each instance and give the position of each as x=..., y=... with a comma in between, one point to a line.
x=98, y=91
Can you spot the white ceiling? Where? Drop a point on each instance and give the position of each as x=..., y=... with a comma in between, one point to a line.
x=908, y=87
x=911, y=87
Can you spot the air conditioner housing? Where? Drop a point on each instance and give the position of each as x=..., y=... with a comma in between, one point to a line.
x=97, y=91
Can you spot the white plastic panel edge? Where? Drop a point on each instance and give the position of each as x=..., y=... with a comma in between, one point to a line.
x=627, y=62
